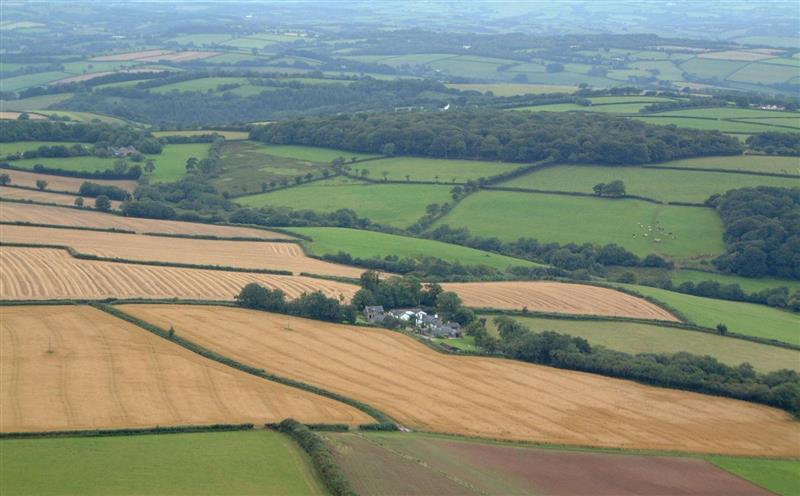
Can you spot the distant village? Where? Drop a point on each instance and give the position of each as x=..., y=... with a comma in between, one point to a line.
x=421, y=322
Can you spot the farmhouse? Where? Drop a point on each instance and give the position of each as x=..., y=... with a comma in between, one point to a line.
x=374, y=315
x=424, y=323
x=124, y=151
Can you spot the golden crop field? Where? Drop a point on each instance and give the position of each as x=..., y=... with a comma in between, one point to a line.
x=240, y=254
x=43, y=214
x=45, y=273
x=58, y=183
x=481, y=396
x=46, y=197
x=75, y=367
x=557, y=297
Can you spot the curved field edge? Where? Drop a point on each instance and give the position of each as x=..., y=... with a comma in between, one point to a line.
x=348, y=359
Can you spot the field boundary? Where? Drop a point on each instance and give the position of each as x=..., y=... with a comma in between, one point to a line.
x=370, y=410
x=178, y=429
x=725, y=171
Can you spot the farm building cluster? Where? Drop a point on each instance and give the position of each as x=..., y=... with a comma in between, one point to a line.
x=421, y=321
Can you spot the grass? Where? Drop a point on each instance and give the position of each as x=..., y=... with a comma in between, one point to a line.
x=707, y=124
x=21, y=146
x=754, y=163
x=223, y=463
x=396, y=205
x=17, y=83
x=313, y=154
x=764, y=73
x=229, y=135
x=202, y=85
x=660, y=184
x=632, y=337
x=369, y=244
x=710, y=68
x=568, y=219
x=748, y=284
x=779, y=476
x=431, y=169
x=83, y=116
x=743, y=318
x=511, y=89
x=730, y=113
x=34, y=102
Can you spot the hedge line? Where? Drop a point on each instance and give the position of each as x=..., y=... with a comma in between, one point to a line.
x=51, y=171
x=211, y=237
x=576, y=193
x=727, y=171
x=130, y=432
x=59, y=226
x=34, y=188
x=321, y=456
x=200, y=350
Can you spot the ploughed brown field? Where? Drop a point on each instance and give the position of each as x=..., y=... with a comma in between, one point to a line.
x=59, y=216
x=481, y=396
x=46, y=197
x=75, y=367
x=49, y=273
x=557, y=297
x=240, y=254
x=58, y=183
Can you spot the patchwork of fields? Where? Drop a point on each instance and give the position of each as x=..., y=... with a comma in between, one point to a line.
x=47, y=197
x=481, y=396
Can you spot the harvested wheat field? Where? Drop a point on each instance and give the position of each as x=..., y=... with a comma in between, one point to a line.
x=240, y=254
x=557, y=297
x=106, y=373
x=45, y=273
x=59, y=216
x=46, y=197
x=179, y=56
x=119, y=57
x=481, y=396
x=12, y=116
x=61, y=184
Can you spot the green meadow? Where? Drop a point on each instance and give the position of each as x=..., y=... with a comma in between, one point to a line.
x=398, y=205
x=659, y=184
x=748, y=284
x=752, y=163
x=369, y=244
x=742, y=318
x=313, y=153
x=431, y=169
x=779, y=476
x=634, y=337
x=220, y=463
x=639, y=226
x=706, y=124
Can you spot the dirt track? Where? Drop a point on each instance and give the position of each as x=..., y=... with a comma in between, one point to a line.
x=41, y=214
x=240, y=254
x=46, y=197
x=105, y=373
x=59, y=183
x=479, y=396
x=557, y=297
x=43, y=273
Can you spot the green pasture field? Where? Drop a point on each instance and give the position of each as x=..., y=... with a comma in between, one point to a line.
x=248, y=43
x=371, y=244
x=82, y=164
x=748, y=284
x=615, y=108
x=314, y=154
x=413, y=59
x=777, y=122
x=393, y=204
x=83, y=116
x=696, y=231
x=765, y=73
x=754, y=163
x=604, y=100
x=229, y=135
x=17, y=83
x=659, y=184
x=431, y=169
x=743, y=318
x=232, y=58
x=223, y=463
x=707, y=124
x=511, y=89
x=34, y=102
x=625, y=74
x=634, y=337
x=711, y=68
x=666, y=69
x=774, y=41
x=730, y=113
x=201, y=39
x=782, y=61
x=120, y=84
x=203, y=84
x=779, y=476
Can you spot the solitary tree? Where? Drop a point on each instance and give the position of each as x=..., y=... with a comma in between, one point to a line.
x=120, y=166
x=102, y=203
x=614, y=188
x=41, y=184
x=79, y=201
x=150, y=166
x=5, y=179
x=364, y=172
x=191, y=164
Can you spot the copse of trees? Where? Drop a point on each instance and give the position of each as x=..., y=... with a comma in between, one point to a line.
x=578, y=137
x=309, y=305
x=762, y=231
x=112, y=192
x=703, y=374
x=775, y=143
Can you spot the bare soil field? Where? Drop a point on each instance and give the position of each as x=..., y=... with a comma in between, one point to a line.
x=42, y=214
x=481, y=396
x=58, y=183
x=43, y=274
x=12, y=116
x=240, y=254
x=47, y=197
x=557, y=297
x=106, y=373
x=388, y=463
x=119, y=57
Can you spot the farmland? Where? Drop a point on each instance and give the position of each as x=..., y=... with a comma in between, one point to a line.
x=228, y=135
x=239, y=254
x=436, y=464
x=428, y=169
x=511, y=215
x=556, y=297
x=481, y=396
x=43, y=274
x=45, y=197
x=392, y=204
x=748, y=284
x=370, y=244
x=59, y=183
x=43, y=214
x=659, y=184
x=743, y=318
x=75, y=367
x=751, y=163
x=634, y=337
x=223, y=463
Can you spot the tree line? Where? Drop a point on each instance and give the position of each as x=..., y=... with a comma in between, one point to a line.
x=578, y=137
x=102, y=135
